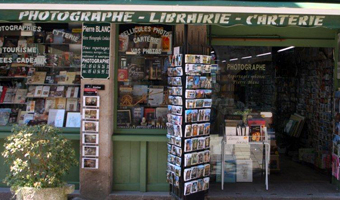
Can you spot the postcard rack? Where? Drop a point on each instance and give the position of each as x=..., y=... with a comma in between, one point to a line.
x=188, y=125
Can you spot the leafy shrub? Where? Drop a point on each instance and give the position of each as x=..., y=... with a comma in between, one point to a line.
x=38, y=157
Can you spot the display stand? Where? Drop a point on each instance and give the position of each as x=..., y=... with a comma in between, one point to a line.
x=266, y=145
x=188, y=125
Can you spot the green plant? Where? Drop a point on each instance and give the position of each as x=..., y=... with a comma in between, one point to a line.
x=38, y=157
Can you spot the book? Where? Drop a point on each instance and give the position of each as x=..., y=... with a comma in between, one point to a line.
x=3, y=93
x=53, y=90
x=30, y=91
x=45, y=91
x=49, y=37
x=150, y=115
x=123, y=75
x=21, y=115
x=255, y=134
x=73, y=119
x=60, y=103
x=38, y=91
x=9, y=95
x=72, y=105
x=67, y=58
x=72, y=92
x=156, y=96
x=70, y=76
x=18, y=71
x=20, y=96
x=30, y=106
x=56, y=117
x=4, y=116
x=38, y=78
x=39, y=107
x=61, y=78
x=59, y=91
x=49, y=104
x=49, y=79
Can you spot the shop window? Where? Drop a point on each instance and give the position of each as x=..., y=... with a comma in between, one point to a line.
x=142, y=76
x=40, y=74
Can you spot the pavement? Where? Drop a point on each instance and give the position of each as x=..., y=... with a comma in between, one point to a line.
x=295, y=181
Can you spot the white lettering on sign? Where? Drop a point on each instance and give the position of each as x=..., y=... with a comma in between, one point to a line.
x=20, y=28
x=69, y=36
x=19, y=49
x=260, y=67
x=291, y=20
x=173, y=18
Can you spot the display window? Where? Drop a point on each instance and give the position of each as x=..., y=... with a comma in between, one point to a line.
x=40, y=74
x=142, y=76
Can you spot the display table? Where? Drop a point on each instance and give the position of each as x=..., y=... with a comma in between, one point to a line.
x=266, y=145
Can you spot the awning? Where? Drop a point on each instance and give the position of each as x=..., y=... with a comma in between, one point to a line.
x=225, y=13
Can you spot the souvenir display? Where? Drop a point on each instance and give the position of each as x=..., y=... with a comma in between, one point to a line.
x=189, y=111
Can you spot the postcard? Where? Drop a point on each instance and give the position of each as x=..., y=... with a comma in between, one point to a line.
x=187, y=145
x=188, y=131
x=190, y=94
x=191, y=116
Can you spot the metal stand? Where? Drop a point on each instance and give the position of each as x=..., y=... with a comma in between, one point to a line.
x=266, y=144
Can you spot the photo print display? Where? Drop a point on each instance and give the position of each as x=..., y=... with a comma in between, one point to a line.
x=91, y=151
x=90, y=138
x=91, y=101
x=91, y=114
x=90, y=126
x=90, y=163
x=191, y=116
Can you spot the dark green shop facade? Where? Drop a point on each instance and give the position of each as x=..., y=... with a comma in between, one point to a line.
x=133, y=159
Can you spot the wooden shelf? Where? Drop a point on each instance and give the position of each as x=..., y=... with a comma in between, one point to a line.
x=10, y=103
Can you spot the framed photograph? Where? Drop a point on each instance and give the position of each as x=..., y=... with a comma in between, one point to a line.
x=73, y=119
x=90, y=126
x=90, y=163
x=90, y=138
x=124, y=117
x=91, y=151
x=91, y=101
x=92, y=114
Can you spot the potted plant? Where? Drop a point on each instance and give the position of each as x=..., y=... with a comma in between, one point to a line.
x=38, y=157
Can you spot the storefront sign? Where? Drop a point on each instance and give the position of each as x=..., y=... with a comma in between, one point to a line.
x=226, y=19
x=95, y=61
x=237, y=139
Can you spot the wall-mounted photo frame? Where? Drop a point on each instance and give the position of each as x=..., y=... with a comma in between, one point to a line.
x=90, y=126
x=90, y=163
x=91, y=114
x=91, y=101
x=90, y=138
x=123, y=117
x=90, y=151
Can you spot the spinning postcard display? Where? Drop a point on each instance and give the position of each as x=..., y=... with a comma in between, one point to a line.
x=188, y=125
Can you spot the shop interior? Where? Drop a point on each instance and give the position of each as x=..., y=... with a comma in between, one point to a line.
x=291, y=87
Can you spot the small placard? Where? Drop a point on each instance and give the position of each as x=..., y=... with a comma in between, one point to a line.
x=237, y=139
x=98, y=87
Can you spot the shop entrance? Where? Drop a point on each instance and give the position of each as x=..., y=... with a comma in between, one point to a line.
x=291, y=90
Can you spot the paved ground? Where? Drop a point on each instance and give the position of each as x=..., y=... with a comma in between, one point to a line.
x=295, y=181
